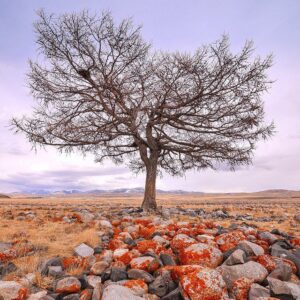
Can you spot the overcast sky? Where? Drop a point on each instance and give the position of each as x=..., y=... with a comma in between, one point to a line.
x=184, y=25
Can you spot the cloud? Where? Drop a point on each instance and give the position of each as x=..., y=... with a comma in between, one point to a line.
x=61, y=179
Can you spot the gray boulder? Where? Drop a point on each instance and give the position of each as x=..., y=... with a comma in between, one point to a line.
x=257, y=291
x=251, y=248
x=284, y=288
x=237, y=257
x=251, y=270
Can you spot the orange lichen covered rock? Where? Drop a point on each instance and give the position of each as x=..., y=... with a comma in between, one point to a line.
x=178, y=271
x=295, y=242
x=149, y=246
x=116, y=244
x=72, y=261
x=241, y=287
x=146, y=232
x=86, y=294
x=227, y=241
x=181, y=241
x=124, y=255
x=8, y=255
x=201, y=254
x=204, y=284
x=137, y=286
x=68, y=285
x=146, y=263
x=267, y=261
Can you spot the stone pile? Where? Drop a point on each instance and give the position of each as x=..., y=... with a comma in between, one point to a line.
x=155, y=257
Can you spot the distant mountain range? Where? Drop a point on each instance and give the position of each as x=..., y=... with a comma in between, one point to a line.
x=101, y=192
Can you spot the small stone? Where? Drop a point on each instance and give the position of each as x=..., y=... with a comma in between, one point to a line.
x=162, y=285
x=251, y=248
x=174, y=295
x=167, y=259
x=99, y=267
x=146, y=263
x=114, y=292
x=72, y=297
x=68, y=285
x=117, y=274
x=83, y=250
x=140, y=274
x=55, y=271
x=237, y=257
x=93, y=280
x=7, y=268
x=38, y=296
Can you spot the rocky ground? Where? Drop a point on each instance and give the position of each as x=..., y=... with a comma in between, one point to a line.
x=124, y=253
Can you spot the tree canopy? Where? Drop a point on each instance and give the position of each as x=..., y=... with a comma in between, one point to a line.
x=100, y=88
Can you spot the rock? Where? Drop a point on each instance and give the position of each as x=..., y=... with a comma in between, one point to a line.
x=97, y=292
x=297, y=218
x=282, y=272
x=162, y=285
x=137, y=286
x=277, y=250
x=54, y=261
x=84, y=216
x=181, y=241
x=93, y=280
x=83, y=250
x=257, y=291
x=241, y=287
x=38, y=296
x=12, y=290
x=5, y=246
x=204, y=284
x=99, y=267
x=227, y=241
x=251, y=270
x=167, y=259
x=114, y=292
x=118, y=274
x=140, y=274
x=72, y=297
x=174, y=295
x=7, y=268
x=237, y=257
x=281, y=288
x=201, y=254
x=250, y=248
x=55, y=271
x=68, y=285
x=146, y=263
x=267, y=236
x=105, y=224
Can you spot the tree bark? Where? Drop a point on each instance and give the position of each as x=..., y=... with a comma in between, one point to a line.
x=149, y=202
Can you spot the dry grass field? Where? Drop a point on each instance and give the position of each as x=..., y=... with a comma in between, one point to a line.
x=51, y=236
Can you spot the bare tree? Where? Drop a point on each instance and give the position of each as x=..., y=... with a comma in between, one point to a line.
x=100, y=89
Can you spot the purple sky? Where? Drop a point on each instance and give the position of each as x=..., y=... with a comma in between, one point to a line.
x=170, y=25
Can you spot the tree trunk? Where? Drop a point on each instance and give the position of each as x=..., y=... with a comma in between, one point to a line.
x=149, y=202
